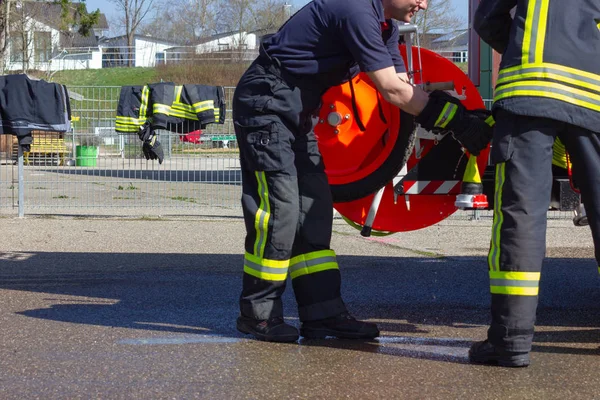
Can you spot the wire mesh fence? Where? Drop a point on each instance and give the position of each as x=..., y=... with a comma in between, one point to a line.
x=94, y=170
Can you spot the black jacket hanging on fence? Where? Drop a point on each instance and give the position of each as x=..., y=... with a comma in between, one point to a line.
x=27, y=105
x=180, y=109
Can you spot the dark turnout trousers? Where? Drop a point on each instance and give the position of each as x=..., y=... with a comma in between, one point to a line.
x=522, y=153
x=286, y=200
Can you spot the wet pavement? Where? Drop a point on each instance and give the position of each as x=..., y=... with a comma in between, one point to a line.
x=140, y=308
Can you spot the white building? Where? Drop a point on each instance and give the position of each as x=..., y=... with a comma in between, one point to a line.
x=36, y=40
x=454, y=45
x=146, y=51
x=223, y=46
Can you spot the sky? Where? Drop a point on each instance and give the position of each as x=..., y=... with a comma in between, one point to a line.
x=108, y=8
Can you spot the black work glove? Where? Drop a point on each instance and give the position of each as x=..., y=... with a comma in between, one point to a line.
x=152, y=148
x=473, y=129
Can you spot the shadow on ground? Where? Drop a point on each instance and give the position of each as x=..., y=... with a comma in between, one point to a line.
x=197, y=294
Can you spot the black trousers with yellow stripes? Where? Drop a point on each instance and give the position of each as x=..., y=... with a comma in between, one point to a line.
x=522, y=153
x=286, y=200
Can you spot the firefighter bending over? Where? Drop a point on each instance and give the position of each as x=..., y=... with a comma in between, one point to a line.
x=286, y=199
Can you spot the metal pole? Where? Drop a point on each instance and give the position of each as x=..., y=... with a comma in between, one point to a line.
x=368, y=227
x=21, y=184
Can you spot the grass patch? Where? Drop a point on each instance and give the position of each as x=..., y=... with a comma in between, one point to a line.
x=107, y=77
x=62, y=196
x=130, y=187
x=182, y=198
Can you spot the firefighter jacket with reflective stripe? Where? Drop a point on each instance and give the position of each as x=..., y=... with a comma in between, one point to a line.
x=27, y=105
x=180, y=109
x=550, y=57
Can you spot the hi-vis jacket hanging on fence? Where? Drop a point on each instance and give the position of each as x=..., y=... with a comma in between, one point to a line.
x=542, y=73
x=180, y=109
x=27, y=105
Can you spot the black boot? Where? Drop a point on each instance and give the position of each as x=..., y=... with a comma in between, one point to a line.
x=486, y=353
x=270, y=330
x=342, y=326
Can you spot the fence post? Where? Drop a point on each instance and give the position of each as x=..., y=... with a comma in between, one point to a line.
x=21, y=180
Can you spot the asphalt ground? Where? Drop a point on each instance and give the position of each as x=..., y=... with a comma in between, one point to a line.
x=119, y=308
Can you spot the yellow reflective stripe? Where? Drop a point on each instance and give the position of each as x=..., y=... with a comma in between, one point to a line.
x=541, y=31
x=144, y=103
x=555, y=68
x=494, y=254
x=490, y=121
x=559, y=154
x=515, y=275
x=266, y=269
x=178, y=91
x=314, y=269
x=446, y=115
x=515, y=283
x=534, y=35
x=574, y=71
x=126, y=128
x=313, y=262
x=267, y=262
x=204, y=105
x=183, y=107
x=557, y=96
x=129, y=120
x=552, y=90
x=514, y=290
x=161, y=108
x=182, y=114
x=583, y=79
x=261, y=219
x=267, y=276
x=528, y=32
x=312, y=255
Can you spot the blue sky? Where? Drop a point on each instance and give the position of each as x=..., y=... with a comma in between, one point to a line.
x=108, y=8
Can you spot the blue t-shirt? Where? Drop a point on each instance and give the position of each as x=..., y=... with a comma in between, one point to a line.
x=328, y=39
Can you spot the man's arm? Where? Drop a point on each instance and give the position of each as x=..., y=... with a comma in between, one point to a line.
x=492, y=22
x=398, y=91
x=436, y=111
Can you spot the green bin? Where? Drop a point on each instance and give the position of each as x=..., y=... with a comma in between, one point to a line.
x=86, y=156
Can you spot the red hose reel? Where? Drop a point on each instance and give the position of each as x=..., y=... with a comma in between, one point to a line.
x=364, y=142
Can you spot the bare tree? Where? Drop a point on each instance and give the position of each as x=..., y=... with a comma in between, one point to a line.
x=245, y=16
x=439, y=17
x=185, y=21
x=200, y=18
x=20, y=39
x=133, y=13
x=269, y=15
x=5, y=6
x=236, y=16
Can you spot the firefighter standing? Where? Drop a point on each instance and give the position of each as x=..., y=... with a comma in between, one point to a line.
x=286, y=199
x=548, y=86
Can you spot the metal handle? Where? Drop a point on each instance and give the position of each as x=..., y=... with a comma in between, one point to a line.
x=407, y=28
x=431, y=86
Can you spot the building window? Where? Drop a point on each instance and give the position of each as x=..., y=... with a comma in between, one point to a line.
x=16, y=47
x=42, y=46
